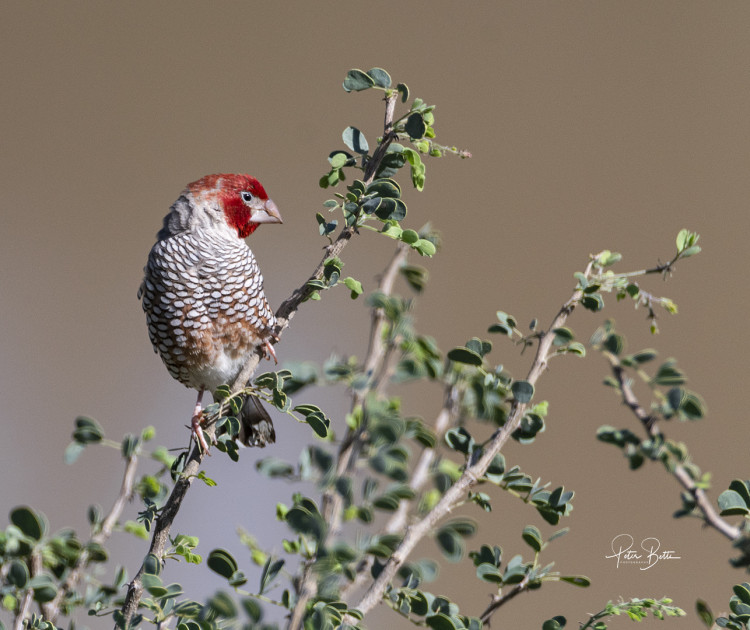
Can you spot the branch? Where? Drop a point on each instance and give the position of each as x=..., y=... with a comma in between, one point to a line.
x=52, y=609
x=332, y=500
x=421, y=472
x=420, y=475
x=499, y=600
x=19, y=622
x=474, y=471
x=648, y=421
x=163, y=524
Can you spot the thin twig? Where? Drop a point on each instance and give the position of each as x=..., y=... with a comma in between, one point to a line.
x=648, y=421
x=331, y=505
x=420, y=476
x=163, y=524
x=473, y=472
x=499, y=600
x=23, y=611
x=52, y=609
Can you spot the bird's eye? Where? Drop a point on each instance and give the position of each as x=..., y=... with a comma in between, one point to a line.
x=246, y=196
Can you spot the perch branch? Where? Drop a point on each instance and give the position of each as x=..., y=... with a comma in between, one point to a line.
x=284, y=315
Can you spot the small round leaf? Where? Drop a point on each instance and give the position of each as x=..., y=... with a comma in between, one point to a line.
x=222, y=562
x=523, y=391
x=29, y=522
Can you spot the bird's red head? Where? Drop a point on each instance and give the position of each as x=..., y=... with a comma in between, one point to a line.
x=244, y=200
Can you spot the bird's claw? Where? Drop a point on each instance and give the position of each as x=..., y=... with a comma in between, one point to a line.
x=270, y=352
x=198, y=430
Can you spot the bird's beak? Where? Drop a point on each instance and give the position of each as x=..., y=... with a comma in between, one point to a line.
x=268, y=213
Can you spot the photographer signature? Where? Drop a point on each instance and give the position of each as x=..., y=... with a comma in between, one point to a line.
x=649, y=554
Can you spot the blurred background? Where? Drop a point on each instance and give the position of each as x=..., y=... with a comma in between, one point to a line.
x=592, y=125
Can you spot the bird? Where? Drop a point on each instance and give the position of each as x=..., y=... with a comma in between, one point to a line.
x=202, y=293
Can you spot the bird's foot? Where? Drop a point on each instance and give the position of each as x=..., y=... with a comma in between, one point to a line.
x=198, y=430
x=270, y=352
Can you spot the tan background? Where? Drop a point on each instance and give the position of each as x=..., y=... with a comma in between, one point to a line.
x=593, y=125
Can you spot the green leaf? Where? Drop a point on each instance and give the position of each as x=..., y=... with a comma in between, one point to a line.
x=576, y=580
x=742, y=488
x=533, y=537
x=451, y=543
x=425, y=247
x=556, y=623
x=682, y=239
x=355, y=140
x=487, y=555
x=151, y=564
x=417, y=168
x=315, y=418
x=563, y=336
x=222, y=605
x=409, y=236
x=403, y=89
x=18, y=574
x=523, y=391
x=614, y=343
x=153, y=584
x=339, y=159
x=129, y=445
x=489, y=573
x=44, y=588
x=357, y=80
x=440, y=622
x=644, y=356
x=385, y=187
x=415, y=126
x=304, y=518
x=391, y=209
x=273, y=467
x=704, y=613
x=731, y=502
x=668, y=374
x=742, y=591
x=463, y=526
x=464, y=355
x=459, y=439
x=380, y=77
x=188, y=608
x=576, y=348
x=137, y=529
x=608, y=258
x=73, y=452
x=415, y=276
x=29, y=522
x=252, y=608
x=87, y=431
x=270, y=571
x=593, y=302
x=558, y=534
x=222, y=562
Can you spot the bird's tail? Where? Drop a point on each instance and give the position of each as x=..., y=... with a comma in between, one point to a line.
x=256, y=426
